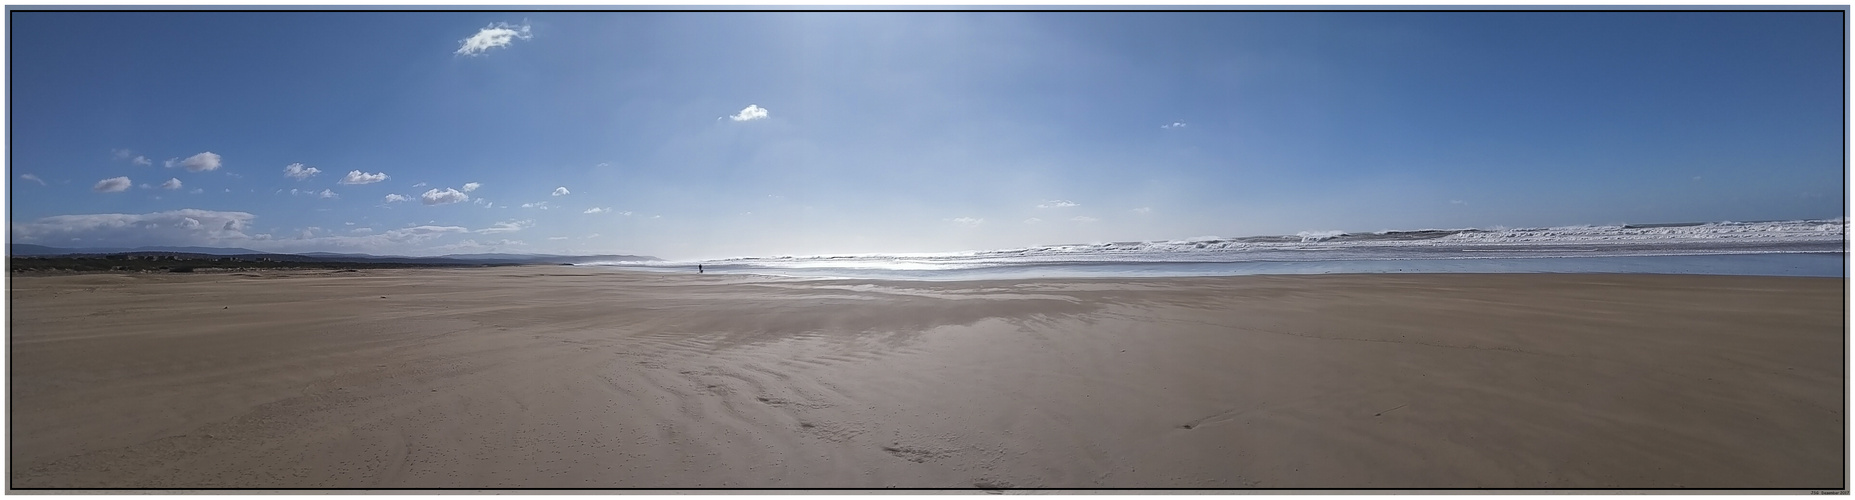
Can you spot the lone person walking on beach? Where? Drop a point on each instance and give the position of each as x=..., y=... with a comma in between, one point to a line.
x=698, y=268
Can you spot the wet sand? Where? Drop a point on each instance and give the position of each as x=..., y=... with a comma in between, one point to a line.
x=573, y=377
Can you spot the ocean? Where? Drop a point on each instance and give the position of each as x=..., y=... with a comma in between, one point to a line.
x=1764, y=248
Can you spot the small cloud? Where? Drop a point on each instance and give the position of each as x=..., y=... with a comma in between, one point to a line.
x=327, y=194
x=121, y=153
x=507, y=226
x=361, y=230
x=1083, y=219
x=394, y=198
x=539, y=204
x=447, y=196
x=171, y=184
x=471, y=186
x=32, y=178
x=197, y=163
x=419, y=185
x=1173, y=125
x=140, y=161
x=1143, y=210
x=1057, y=204
x=557, y=238
x=597, y=210
x=493, y=36
x=603, y=165
x=196, y=191
x=299, y=172
x=967, y=221
x=112, y=185
x=751, y=112
x=562, y=191
x=1696, y=178
x=591, y=236
x=359, y=177
x=1032, y=220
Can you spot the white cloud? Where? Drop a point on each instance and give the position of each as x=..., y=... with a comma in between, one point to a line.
x=140, y=161
x=196, y=191
x=1173, y=125
x=1057, y=204
x=188, y=226
x=493, y=36
x=32, y=178
x=112, y=185
x=121, y=153
x=597, y=210
x=507, y=226
x=591, y=236
x=539, y=204
x=419, y=185
x=197, y=163
x=394, y=198
x=319, y=194
x=751, y=112
x=418, y=231
x=299, y=172
x=603, y=164
x=471, y=186
x=171, y=184
x=1032, y=220
x=557, y=238
x=361, y=230
x=477, y=246
x=967, y=221
x=448, y=195
x=1143, y=210
x=359, y=177
x=562, y=191
x=1083, y=219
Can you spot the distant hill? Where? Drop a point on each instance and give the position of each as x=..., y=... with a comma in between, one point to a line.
x=26, y=249
x=30, y=250
x=546, y=258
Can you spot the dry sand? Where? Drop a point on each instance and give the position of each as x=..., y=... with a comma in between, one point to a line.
x=574, y=377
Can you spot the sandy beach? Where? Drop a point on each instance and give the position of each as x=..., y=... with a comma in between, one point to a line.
x=570, y=377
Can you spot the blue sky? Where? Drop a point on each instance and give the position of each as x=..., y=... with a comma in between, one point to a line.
x=698, y=135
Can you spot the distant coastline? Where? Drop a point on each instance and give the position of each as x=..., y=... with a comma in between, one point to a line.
x=26, y=258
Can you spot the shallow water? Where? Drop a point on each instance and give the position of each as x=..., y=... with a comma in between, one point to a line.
x=1764, y=264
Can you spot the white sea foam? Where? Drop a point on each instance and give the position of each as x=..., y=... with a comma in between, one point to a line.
x=1774, y=237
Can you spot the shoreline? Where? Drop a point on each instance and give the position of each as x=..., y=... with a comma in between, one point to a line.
x=573, y=376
